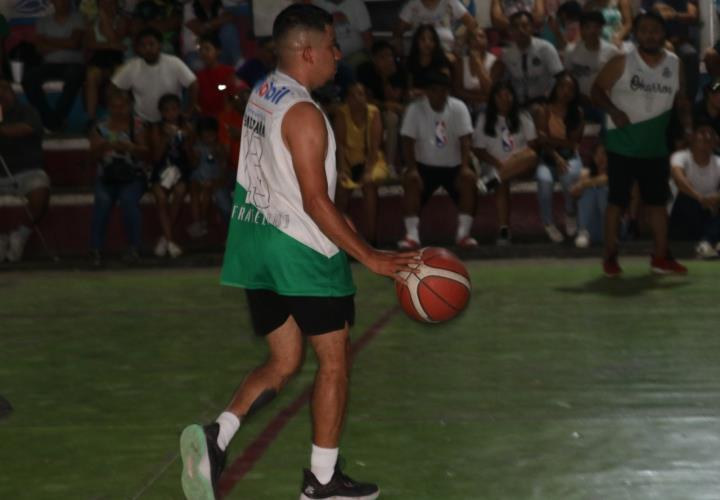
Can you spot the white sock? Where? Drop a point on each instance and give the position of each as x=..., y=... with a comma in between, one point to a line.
x=463, y=228
x=229, y=424
x=322, y=463
x=412, y=224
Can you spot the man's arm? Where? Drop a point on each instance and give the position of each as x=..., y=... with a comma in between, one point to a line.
x=497, y=17
x=193, y=92
x=604, y=82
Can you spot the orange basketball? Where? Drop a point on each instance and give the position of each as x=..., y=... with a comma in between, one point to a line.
x=438, y=290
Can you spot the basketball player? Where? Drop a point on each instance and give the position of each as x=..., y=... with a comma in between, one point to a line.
x=286, y=246
x=638, y=90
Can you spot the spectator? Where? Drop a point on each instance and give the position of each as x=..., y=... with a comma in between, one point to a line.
x=164, y=16
x=560, y=127
x=441, y=14
x=361, y=164
x=230, y=124
x=385, y=85
x=152, y=75
x=530, y=63
x=618, y=19
x=353, y=30
x=562, y=28
x=59, y=40
x=708, y=109
x=426, y=54
x=21, y=150
x=502, y=10
x=173, y=155
x=591, y=192
x=208, y=176
x=696, y=172
x=105, y=39
x=472, y=71
x=436, y=131
x=256, y=69
x=209, y=18
x=118, y=145
x=503, y=141
x=214, y=79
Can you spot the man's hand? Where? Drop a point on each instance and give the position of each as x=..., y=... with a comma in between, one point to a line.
x=392, y=264
x=561, y=164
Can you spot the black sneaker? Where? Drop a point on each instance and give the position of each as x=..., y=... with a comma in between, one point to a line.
x=504, y=237
x=197, y=442
x=340, y=487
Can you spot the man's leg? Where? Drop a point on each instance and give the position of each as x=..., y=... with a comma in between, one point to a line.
x=613, y=214
x=32, y=83
x=658, y=220
x=370, y=204
x=413, y=186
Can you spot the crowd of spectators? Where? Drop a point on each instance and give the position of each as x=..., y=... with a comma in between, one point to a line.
x=442, y=102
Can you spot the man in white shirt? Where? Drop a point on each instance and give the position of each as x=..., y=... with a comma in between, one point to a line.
x=153, y=74
x=436, y=134
x=441, y=14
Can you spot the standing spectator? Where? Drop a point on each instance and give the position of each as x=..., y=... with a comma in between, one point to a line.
x=152, y=75
x=257, y=68
x=472, y=80
x=618, y=19
x=164, y=16
x=502, y=10
x=21, y=149
x=59, y=39
x=208, y=18
x=118, y=145
x=441, y=14
x=591, y=192
x=214, y=79
x=105, y=39
x=426, y=54
x=696, y=172
x=436, y=132
x=212, y=162
x=638, y=118
x=361, y=164
x=353, y=30
x=530, y=62
x=503, y=141
x=173, y=155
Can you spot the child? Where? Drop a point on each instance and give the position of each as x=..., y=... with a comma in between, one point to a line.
x=211, y=166
x=214, y=79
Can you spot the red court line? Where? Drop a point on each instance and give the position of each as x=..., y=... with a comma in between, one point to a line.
x=255, y=450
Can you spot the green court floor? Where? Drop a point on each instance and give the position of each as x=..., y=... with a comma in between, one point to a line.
x=555, y=384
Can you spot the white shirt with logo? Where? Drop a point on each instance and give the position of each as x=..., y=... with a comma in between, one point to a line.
x=704, y=179
x=585, y=64
x=532, y=71
x=505, y=143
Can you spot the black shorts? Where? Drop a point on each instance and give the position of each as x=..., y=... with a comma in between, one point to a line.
x=314, y=315
x=434, y=177
x=651, y=174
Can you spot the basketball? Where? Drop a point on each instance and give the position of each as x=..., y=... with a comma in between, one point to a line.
x=438, y=290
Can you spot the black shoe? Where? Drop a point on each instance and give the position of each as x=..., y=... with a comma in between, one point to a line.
x=197, y=442
x=504, y=237
x=340, y=487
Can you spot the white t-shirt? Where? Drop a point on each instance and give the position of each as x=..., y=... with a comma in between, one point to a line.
x=149, y=83
x=190, y=39
x=437, y=135
x=470, y=81
x=532, y=73
x=706, y=179
x=585, y=64
x=441, y=17
x=504, y=144
x=350, y=19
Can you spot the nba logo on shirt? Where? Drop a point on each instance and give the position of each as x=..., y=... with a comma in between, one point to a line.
x=441, y=139
x=508, y=144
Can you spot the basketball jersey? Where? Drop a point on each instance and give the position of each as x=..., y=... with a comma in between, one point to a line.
x=272, y=243
x=647, y=96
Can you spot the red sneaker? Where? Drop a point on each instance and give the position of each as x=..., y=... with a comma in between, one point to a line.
x=666, y=265
x=611, y=268
x=408, y=243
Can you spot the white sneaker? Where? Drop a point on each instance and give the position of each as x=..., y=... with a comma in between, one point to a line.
x=554, y=233
x=571, y=226
x=583, y=239
x=4, y=242
x=408, y=243
x=16, y=246
x=174, y=250
x=705, y=250
x=161, y=248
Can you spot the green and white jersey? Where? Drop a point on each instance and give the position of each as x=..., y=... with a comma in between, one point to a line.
x=272, y=243
x=647, y=96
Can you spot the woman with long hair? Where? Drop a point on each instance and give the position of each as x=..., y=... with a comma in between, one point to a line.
x=472, y=80
x=426, y=53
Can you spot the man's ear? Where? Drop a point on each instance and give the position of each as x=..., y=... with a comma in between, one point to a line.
x=308, y=55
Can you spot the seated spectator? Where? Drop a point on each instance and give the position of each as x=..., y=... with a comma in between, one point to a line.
x=203, y=18
x=105, y=39
x=361, y=164
x=708, y=109
x=214, y=79
x=559, y=126
x=696, y=172
x=502, y=10
x=503, y=141
x=441, y=14
x=436, y=132
x=255, y=70
x=118, y=145
x=152, y=75
x=425, y=55
x=21, y=149
x=471, y=76
x=385, y=86
x=230, y=124
x=618, y=19
x=59, y=40
x=164, y=16
x=530, y=62
x=591, y=192
x=353, y=30
x=173, y=154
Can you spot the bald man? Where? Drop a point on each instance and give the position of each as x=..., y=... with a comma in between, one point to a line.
x=287, y=246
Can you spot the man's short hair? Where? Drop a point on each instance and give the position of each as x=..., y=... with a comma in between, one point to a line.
x=168, y=98
x=571, y=10
x=651, y=15
x=212, y=38
x=520, y=14
x=381, y=45
x=149, y=31
x=304, y=16
x=592, y=17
